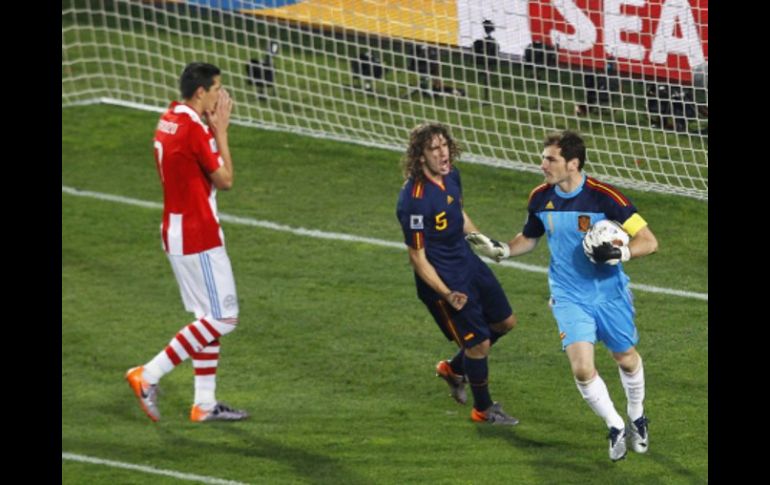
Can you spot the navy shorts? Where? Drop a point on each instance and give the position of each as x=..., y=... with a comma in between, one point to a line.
x=486, y=305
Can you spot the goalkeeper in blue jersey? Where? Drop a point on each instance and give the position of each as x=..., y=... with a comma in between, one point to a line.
x=460, y=291
x=590, y=300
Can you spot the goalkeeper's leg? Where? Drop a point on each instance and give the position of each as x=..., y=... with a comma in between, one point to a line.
x=631, y=371
x=616, y=319
x=591, y=385
x=594, y=392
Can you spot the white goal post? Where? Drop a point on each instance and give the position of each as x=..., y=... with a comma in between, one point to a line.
x=630, y=75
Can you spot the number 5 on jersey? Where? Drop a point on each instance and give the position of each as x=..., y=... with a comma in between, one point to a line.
x=441, y=221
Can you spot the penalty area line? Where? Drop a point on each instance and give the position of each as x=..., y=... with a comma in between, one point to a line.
x=337, y=236
x=147, y=469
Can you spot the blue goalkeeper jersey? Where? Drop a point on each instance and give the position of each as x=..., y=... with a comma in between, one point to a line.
x=565, y=219
x=431, y=217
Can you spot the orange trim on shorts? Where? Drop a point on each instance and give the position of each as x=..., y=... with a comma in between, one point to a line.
x=449, y=323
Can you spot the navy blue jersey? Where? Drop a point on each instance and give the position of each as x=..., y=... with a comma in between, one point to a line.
x=565, y=218
x=431, y=217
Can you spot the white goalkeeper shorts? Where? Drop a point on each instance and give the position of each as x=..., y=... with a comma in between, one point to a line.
x=206, y=283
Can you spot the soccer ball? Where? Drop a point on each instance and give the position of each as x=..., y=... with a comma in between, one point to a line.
x=601, y=232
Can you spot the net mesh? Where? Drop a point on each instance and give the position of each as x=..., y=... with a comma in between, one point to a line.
x=630, y=75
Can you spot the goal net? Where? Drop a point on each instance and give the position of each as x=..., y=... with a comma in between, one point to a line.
x=630, y=75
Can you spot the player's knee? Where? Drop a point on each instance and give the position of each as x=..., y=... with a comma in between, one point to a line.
x=583, y=372
x=478, y=351
x=628, y=360
x=505, y=326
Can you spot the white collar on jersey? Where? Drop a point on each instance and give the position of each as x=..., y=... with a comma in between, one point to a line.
x=183, y=108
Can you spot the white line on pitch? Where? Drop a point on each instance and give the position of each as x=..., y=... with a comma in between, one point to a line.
x=301, y=231
x=147, y=469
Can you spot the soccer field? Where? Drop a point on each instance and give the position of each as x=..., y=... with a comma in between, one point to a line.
x=334, y=353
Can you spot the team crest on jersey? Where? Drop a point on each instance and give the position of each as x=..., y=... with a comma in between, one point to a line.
x=415, y=221
x=584, y=222
x=549, y=205
x=213, y=145
x=449, y=199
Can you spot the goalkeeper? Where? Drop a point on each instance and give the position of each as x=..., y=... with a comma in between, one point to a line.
x=459, y=290
x=590, y=301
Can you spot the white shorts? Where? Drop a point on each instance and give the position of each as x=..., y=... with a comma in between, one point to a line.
x=206, y=283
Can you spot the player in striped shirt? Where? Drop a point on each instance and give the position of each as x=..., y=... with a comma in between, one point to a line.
x=193, y=161
x=590, y=301
x=460, y=291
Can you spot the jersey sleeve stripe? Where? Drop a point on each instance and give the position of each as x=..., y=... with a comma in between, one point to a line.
x=448, y=323
x=418, y=190
x=537, y=189
x=609, y=190
x=418, y=241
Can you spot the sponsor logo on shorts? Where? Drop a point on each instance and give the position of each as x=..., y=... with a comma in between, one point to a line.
x=230, y=302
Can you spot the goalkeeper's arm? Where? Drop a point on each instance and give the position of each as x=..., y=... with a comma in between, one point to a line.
x=497, y=250
x=488, y=247
x=521, y=244
x=480, y=243
x=642, y=243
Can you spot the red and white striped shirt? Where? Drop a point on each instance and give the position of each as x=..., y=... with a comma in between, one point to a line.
x=185, y=153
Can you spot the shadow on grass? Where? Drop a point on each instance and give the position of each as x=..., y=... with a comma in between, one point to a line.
x=558, y=459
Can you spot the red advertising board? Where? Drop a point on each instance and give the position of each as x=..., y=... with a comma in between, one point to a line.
x=654, y=38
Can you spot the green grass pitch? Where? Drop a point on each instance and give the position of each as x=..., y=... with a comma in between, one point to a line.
x=334, y=354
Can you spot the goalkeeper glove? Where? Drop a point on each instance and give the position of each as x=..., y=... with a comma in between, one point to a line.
x=490, y=248
x=608, y=254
